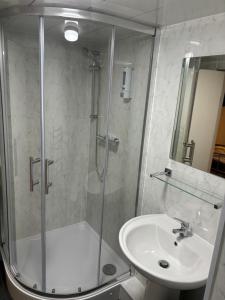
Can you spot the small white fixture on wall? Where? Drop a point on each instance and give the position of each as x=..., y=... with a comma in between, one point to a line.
x=71, y=32
x=126, y=83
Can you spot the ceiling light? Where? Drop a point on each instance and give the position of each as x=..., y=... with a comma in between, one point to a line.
x=71, y=33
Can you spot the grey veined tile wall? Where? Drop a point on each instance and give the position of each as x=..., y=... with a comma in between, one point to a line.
x=68, y=104
x=174, y=44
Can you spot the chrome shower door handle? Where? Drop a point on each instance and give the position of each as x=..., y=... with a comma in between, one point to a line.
x=32, y=181
x=48, y=162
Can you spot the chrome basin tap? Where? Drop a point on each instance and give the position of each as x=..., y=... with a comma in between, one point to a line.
x=184, y=231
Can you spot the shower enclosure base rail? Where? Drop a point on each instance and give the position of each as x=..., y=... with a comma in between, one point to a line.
x=67, y=246
x=19, y=292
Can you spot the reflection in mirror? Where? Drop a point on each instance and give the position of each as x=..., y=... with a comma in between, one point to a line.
x=199, y=132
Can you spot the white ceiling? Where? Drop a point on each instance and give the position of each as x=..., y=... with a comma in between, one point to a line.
x=156, y=12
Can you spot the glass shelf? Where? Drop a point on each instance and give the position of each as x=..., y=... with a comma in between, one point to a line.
x=213, y=199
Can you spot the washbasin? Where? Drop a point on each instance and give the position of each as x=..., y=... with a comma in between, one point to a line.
x=150, y=245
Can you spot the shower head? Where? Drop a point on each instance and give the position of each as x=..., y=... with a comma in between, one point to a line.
x=92, y=54
x=94, y=57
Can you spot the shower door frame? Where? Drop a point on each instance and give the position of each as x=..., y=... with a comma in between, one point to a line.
x=8, y=190
x=42, y=156
x=73, y=14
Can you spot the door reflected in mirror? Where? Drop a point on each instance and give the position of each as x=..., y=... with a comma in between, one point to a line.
x=199, y=131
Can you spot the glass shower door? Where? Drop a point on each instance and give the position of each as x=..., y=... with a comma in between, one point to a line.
x=21, y=114
x=71, y=161
x=132, y=53
x=76, y=77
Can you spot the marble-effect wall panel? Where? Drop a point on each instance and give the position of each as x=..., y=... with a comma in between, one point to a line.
x=68, y=104
x=174, y=45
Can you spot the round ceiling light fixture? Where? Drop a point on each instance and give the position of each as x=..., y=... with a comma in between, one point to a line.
x=71, y=32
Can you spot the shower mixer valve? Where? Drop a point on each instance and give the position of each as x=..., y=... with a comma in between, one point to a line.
x=113, y=142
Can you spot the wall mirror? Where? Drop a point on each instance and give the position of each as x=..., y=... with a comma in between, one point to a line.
x=199, y=130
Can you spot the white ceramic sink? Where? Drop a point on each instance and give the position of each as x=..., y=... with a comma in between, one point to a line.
x=147, y=239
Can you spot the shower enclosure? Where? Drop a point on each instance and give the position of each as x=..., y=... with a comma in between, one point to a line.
x=71, y=144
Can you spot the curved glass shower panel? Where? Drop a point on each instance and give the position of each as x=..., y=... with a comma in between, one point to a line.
x=73, y=145
x=127, y=109
x=4, y=224
x=22, y=139
x=75, y=77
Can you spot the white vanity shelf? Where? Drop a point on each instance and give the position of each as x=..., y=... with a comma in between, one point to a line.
x=166, y=177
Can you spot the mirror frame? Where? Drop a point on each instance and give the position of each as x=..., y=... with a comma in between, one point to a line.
x=180, y=100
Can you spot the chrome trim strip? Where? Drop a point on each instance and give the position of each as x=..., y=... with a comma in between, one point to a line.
x=109, y=98
x=42, y=125
x=78, y=14
x=8, y=152
x=3, y=206
x=140, y=166
x=216, y=256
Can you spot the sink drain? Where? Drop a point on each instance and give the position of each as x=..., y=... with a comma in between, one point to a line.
x=109, y=269
x=164, y=264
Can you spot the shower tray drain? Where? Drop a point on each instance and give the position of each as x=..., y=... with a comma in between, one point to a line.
x=164, y=264
x=109, y=269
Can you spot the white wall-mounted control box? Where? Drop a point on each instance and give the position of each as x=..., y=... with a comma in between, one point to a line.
x=126, y=83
